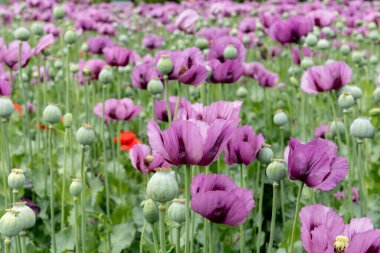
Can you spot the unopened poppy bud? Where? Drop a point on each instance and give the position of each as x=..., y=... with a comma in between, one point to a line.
x=150, y=211
x=59, y=12
x=346, y=100
x=74, y=68
x=307, y=63
x=345, y=50
x=86, y=71
x=201, y=43
x=362, y=128
x=155, y=86
x=106, y=76
x=293, y=80
x=230, y=52
x=337, y=127
x=280, y=118
x=26, y=215
x=374, y=112
x=165, y=65
x=37, y=29
x=241, y=92
x=70, y=37
x=162, y=186
x=6, y=107
x=85, y=135
x=22, y=34
x=311, y=40
x=51, y=114
x=67, y=120
x=76, y=187
x=177, y=211
x=265, y=155
x=128, y=92
x=16, y=179
x=277, y=170
x=148, y=159
x=376, y=95
x=10, y=224
x=323, y=44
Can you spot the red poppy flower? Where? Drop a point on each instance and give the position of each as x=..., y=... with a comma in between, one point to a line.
x=18, y=108
x=40, y=127
x=127, y=140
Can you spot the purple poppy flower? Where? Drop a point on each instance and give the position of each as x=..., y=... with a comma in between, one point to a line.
x=52, y=29
x=329, y=77
x=355, y=195
x=122, y=109
x=97, y=44
x=6, y=82
x=152, y=41
x=117, y=56
x=322, y=18
x=324, y=231
x=95, y=66
x=247, y=25
x=186, y=21
x=142, y=74
x=218, y=46
x=296, y=54
x=144, y=160
x=316, y=164
x=217, y=198
x=243, y=146
x=339, y=195
x=160, y=111
x=190, y=142
x=226, y=72
x=321, y=131
x=212, y=33
x=105, y=29
x=290, y=30
x=9, y=55
x=264, y=77
x=44, y=43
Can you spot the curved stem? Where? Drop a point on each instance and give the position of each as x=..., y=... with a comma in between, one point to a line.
x=162, y=227
x=273, y=220
x=83, y=202
x=155, y=241
x=187, y=193
x=52, y=220
x=76, y=225
x=296, y=218
x=64, y=179
x=142, y=237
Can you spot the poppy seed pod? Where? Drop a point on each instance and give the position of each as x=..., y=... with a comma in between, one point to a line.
x=177, y=211
x=345, y=50
x=323, y=44
x=362, y=128
x=337, y=127
x=277, y=170
x=26, y=215
x=150, y=211
x=307, y=63
x=22, y=34
x=265, y=155
x=230, y=52
x=70, y=37
x=16, y=179
x=374, y=112
x=280, y=118
x=357, y=57
x=37, y=29
x=85, y=135
x=6, y=107
x=311, y=40
x=76, y=187
x=201, y=43
x=373, y=59
x=355, y=91
x=162, y=186
x=241, y=92
x=155, y=86
x=10, y=224
x=376, y=95
x=59, y=12
x=51, y=114
x=67, y=120
x=106, y=76
x=165, y=65
x=84, y=47
x=346, y=100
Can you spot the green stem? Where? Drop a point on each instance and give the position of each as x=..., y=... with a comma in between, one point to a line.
x=273, y=220
x=142, y=237
x=7, y=245
x=361, y=182
x=211, y=238
x=87, y=101
x=187, y=192
x=178, y=100
x=64, y=179
x=162, y=227
x=166, y=86
x=38, y=109
x=331, y=98
x=76, y=225
x=298, y=206
x=350, y=174
x=52, y=220
x=23, y=241
x=5, y=171
x=68, y=80
x=282, y=190
x=18, y=244
x=192, y=218
x=83, y=202
x=205, y=235
x=178, y=238
x=260, y=214
x=155, y=241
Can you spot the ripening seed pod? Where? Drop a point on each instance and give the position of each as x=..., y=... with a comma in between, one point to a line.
x=265, y=154
x=10, y=224
x=277, y=170
x=362, y=128
x=76, y=187
x=85, y=135
x=162, y=186
x=16, y=179
x=165, y=65
x=26, y=215
x=6, y=108
x=51, y=114
x=177, y=211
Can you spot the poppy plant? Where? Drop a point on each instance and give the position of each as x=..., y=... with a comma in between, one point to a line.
x=127, y=140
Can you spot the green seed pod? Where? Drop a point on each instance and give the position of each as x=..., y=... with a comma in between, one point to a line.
x=311, y=40
x=280, y=118
x=362, y=128
x=374, y=112
x=345, y=50
x=162, y=186
x=85, y=135
x=265, y=155
x=67, y=120
x=16, y=179
x=165, y=65
x=373, y=60
x=372, y=26
x=74, y=68
x=22, y=34
x=337, y=127
x=51, y=114
x=355, y=91
x=58, y=65
x=246, y=40
x=59, y=12
x=37, y=29
x=106, y=76
x=357, y=57
x=26, y=215
x=376, y=95
x=150, y=211
x=307, y=63
x=323, y=44
x=241, y=92
x=76, y=187
x=201, y=43
x=177, y=211
x=6, y=108
x=10, y=224
x=230, y=52
x=84, y=47
x=346, y=100
x=276, y=170
x=155, y=86
x=293, y=80
x=70, y=37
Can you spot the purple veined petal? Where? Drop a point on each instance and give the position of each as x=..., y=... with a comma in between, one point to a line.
x=223, y=110
x=121, y=112
x=368, y=242
x=211, y=182
x=299, y=155
x=357, y=226
x=45, y=42
x=246, y=196
x=137, y=155
x=339, y=170
x=156, y=140
x=246, y=153
x=195, y=76
x=319, y=238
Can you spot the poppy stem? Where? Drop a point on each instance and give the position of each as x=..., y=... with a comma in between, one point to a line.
x=260, y=218
x=67, y=79
x=5, y=169
x=178, y=238
x=64, y=179
x=156, y=247
x=211, y=237
x=162, y=209
x=296, y=218
x=273, y=220
x=350, y=172
x=83, y=201
x=87, y=101
x=23, y=241
x=187, y=205
x=166, y=84
x=76, y=225
x=7, y=244
x=282, y=190
x=142, y=237
x=205, y=235
x=360, y=168
x=52, y=220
